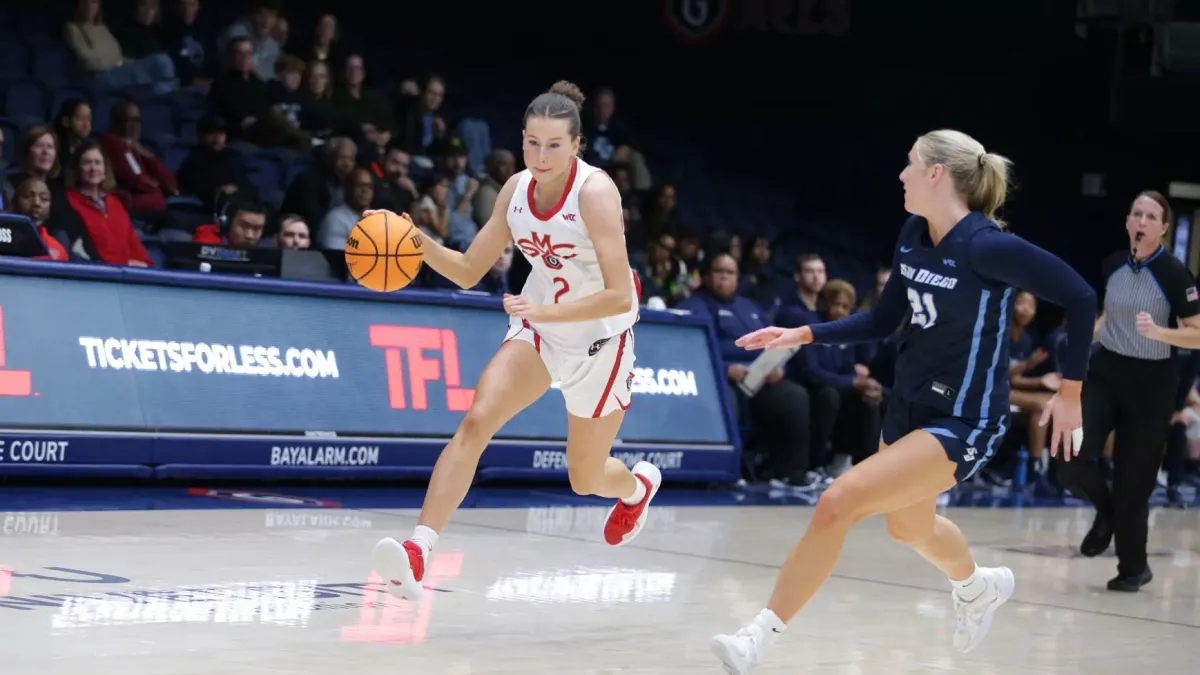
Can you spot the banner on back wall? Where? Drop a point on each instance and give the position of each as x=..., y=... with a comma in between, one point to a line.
x=231, y=379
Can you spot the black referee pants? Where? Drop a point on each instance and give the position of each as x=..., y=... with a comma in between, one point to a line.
x=1135, y=399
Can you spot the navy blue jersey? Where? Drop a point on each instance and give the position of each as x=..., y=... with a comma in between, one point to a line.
x=958, y=294
x=954, y=350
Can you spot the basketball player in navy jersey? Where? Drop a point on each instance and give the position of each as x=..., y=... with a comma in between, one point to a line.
x=954, y=270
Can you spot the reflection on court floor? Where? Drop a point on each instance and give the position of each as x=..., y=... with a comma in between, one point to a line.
x=534, y=590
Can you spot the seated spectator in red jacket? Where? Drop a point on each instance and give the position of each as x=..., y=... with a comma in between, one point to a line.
x=140, y=174
x=32, y=199
x=104, y=217
x=245, y=218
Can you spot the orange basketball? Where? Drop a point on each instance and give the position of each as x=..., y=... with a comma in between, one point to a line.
x=383, y=252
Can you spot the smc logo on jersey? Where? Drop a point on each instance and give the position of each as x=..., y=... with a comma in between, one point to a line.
x=12, y=382
x=541, y=246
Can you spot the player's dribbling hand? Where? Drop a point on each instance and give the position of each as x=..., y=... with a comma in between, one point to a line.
x=1067, y=428
x=773, y=337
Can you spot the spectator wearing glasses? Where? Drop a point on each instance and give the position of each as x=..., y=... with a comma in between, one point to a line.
x=780, y=410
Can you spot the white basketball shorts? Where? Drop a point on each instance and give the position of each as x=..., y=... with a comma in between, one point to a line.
x=594, y=384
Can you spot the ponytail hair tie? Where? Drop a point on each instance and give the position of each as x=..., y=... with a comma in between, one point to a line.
x=980, y=158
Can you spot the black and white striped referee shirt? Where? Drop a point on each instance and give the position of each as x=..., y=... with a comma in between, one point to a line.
x=1160, y=285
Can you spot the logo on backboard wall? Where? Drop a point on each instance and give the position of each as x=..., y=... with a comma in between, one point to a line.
x=696, y=21
x=12, y=382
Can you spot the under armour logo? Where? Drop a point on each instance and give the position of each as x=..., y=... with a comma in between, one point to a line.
x=597, y=346
x=518, y=209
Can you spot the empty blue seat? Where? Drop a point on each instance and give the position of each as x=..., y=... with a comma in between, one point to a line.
x=25, y=101
x=159, y=117
x=12, y=136
x=174, y=155
x=14, y=60
x=52, y=63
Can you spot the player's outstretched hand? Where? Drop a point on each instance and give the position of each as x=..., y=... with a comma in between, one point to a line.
x=773, y=337
x=1067, y=427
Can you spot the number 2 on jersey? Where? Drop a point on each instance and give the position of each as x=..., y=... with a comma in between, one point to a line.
x=924, y=312
x=561, y=291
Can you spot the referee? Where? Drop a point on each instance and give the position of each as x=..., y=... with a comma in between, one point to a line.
x=1150, y=307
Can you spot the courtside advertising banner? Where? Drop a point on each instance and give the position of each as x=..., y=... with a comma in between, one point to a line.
x=102, y=358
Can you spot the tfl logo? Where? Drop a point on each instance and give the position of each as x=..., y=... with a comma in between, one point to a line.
x=12, y=382
x=413, y=341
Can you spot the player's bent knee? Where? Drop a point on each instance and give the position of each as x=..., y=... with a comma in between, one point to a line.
x=836, y=506
x=477, y=427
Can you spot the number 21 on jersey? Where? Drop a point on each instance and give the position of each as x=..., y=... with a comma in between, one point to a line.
x=924, y=312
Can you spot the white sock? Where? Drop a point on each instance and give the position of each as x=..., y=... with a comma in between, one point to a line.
x=638, y=494
x=426, y=538
x=771, y=625
x=972, y=587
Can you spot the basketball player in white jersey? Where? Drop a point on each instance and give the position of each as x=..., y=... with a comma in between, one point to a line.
x=571, y=324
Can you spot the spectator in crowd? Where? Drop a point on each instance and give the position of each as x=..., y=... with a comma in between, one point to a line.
x=240, y=223
x=6, y=188
x=294, y=233
x=38, y=158
x=212, y=168
x=32, y=199
x=335, y=227
x=1028, y=392
x=100, y=54
x=688, y=250
x=326, y=46
x=73, y=126
x=365, y=107
x=845, y=398
x=780, y=410
x=104, y=217
x=500, y=166
x=316, y=190
x=244, y=100
x=664, y=277
x=432, y=214
x=496, y=280
x=320, y=117
x=141, y=175
x=396, y=190
x=461, y=190
x=659, y=216
x=631, y=202
x=881, y=278
x=141, y=37
x=286, y=94
x=257, y=27
x=761, y=279
x=189, y=37
x=422, y=120
x=810, y=281
x=610, y=140
x=282, y=32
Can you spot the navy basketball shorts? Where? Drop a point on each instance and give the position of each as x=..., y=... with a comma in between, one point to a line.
x=968, y=443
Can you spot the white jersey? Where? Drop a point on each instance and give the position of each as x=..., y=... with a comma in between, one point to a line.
x=565, y=268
